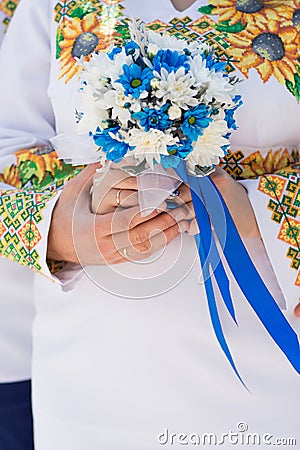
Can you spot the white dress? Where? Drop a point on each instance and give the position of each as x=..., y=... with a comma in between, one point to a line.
x=127, y=358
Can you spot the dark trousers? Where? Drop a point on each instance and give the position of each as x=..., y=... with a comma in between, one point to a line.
x=16, y=430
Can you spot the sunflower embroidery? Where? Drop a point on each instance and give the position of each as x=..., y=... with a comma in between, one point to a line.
x=271, y=49
x=81, y=37
x=252, y=12
x=264, y=35
x=84, y=27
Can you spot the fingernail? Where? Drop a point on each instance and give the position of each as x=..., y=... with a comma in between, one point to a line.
x=171, y=204
x=183, y=226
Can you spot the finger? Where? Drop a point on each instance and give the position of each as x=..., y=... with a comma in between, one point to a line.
x=113, y=178
x=297, y=310
x=157, y=242
x=124, y=220
x=188, y=209
x=193, y=229
x=129, y=182
x=113, y=199
x=143, y=232
x=121, y=220
x=183, y=197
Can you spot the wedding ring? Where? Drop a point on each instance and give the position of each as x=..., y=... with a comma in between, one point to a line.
x=125, y=254
x=118, y=200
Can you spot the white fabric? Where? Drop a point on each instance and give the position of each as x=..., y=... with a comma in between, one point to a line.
x=112, y=372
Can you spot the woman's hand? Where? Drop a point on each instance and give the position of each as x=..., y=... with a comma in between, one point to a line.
x=114, y=236
x=238, y=203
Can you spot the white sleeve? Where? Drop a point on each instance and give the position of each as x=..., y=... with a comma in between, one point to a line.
x=26, y=115
x=26, y=120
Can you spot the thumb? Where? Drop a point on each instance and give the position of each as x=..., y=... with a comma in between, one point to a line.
x=297, y=310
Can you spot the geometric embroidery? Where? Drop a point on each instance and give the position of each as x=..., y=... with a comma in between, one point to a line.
x=254, y=165
x=202, y=29
x=284, y=192
x=20, y=213
x=42, y=174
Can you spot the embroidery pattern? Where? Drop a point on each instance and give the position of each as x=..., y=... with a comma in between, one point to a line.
x=84, y=28
x=245, y=34
x=21, y=213
x=8, y=8
x=248, y=34
x=284, y=192
x=254, y=165
x=264, y=36
x=35, y=169
x=38, y=168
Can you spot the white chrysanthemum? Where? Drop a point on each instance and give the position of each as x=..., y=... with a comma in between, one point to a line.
x=220, y=88
x=208, y=148
x=100, y=68
x=116, y=101
x=149, y=145
x=93, y=115
x=152, y=49
x=213, y=83
x=167, y=42
x=174, y=112
x=177, y=88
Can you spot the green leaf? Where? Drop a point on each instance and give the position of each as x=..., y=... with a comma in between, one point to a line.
x=27, y=171
x=225, y=27
x=294, y=88
x=123, y=32
x=82, y=11
x=206, y=9
x=59, y=39
x=46, y=181
x=64, y=172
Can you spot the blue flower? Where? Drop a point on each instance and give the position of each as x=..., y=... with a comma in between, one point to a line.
x=171, y=60
x=153, y=118
x=176, y=153
x=135, y=80
x=229, y=113
x=212, y=64
x=114, y=52
x=115, y=150
x=195, y=120
x=131, y=47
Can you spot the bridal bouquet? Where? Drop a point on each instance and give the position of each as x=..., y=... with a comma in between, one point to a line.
x=161, y=101
x=155, y=98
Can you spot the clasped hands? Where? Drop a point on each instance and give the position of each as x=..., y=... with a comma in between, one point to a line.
x=110, y=229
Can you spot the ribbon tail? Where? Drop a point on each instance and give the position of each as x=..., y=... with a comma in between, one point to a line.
x=213, y=256
x=251, y=285
x=204, y=225
x=213, y=310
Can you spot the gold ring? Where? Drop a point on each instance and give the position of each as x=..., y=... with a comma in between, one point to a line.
x=118, y=200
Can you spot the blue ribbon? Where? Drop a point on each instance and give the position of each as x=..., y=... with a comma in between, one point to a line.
x=210, y=209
